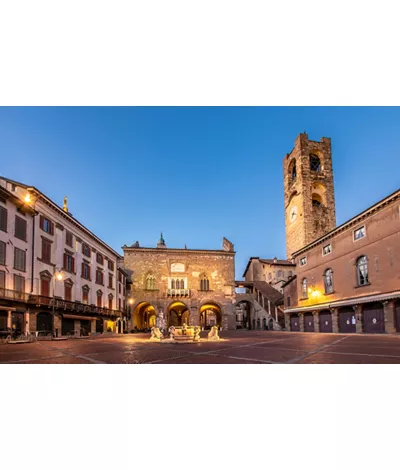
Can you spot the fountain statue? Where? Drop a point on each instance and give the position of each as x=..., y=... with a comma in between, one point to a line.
x=213, y=334
x=156, y=334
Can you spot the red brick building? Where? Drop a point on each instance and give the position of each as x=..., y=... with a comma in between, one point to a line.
x=348, y=280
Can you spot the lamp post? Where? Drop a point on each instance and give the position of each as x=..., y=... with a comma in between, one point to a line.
x=56, y=276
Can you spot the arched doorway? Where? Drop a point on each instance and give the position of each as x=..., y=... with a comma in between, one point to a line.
x=325, y=322
x=271, y=324
x=178, y=314
x=44, y=322
x=144, y=316
x=347, y=320
x=210, y=315
x=242, y=311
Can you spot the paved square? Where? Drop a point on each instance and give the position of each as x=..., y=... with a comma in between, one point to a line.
x=239, y=347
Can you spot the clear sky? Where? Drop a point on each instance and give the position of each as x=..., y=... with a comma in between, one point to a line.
x=196, y=174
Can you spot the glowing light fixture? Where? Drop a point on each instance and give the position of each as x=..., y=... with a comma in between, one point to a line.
x=28, y=198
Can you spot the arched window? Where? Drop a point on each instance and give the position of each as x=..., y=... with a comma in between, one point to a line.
x=304, y=288
x=292, y=171
x=150, y=282
x=182, y=284
x=362, y=271
x=173, y=284
x=328, y=281
x=315, y=163
x=204, y=283
x=279, y=274
x=316, y=200
x=269, y=276
x=290, y=273
x=110, y=301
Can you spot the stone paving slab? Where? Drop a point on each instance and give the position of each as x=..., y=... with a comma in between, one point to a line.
x=242, y=347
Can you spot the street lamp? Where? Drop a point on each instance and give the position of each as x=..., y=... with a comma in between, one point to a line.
x=59, y=277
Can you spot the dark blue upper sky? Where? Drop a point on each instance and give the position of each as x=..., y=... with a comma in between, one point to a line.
x=197, y=174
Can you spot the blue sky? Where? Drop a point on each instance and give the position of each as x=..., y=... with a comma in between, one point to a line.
x=195, y=173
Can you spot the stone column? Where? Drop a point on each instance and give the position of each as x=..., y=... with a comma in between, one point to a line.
x=301, y=320
x=359, y=318
x=26, y=322
x=287, y=322
x=92, y=327
x=390, y=314
x=9, y=319
x=335, y=320
x=316, y=321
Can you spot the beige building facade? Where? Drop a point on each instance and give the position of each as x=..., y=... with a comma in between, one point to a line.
x=273, y=271
x=172, y=286
x=57, y=275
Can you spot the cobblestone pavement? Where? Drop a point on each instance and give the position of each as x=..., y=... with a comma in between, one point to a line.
x=238, y=347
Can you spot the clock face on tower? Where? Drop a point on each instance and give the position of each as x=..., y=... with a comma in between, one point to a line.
x=293, y=214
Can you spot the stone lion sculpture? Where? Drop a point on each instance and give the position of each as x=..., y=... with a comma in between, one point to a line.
x=171, y=331
x=213, y=334
x=156, y=334
x=196, y=336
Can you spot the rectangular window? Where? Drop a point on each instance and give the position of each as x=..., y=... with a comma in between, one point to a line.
x=119, y=277
x=3, y=219
x=119, y=304
x=69, y=239
x=86, y=271
x=326, y=250
x=110, y=265
x=99, y=259
x=119, y=288
x=3, y=247
x=69, y=263
x=46, y=225
x=19, y=259
x=288, y=301
x=45, y=286
x=99, y=277
x=86, y=250
x=303, y=261
x=99, y=300
x=20, y=228
x=110, y=303
x=46, y=251
x=359, y=233
x=2, y=280
x=68, y=292
x=110, y=281
x=85, y=296
x=19, y=283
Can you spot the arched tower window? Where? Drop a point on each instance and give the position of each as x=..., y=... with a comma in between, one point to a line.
x=328, y=281
x=362, y=271
x=292, y=171
x=150, y=282
x=316, y=200
x=204, y=283
x=315, y=163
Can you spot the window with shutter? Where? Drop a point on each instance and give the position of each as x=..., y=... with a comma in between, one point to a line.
x=68, y=238
x=19, y=283
x=46, y=225
x=20, y=228
x=19, y=259
x=3, y=247
x=110, y=280
x=99, y=299
x=46, y=251
x=110, y=302
x=85, y=295
x=2, y=280
x=3, y=219
x=45, y=286
x=68, y=292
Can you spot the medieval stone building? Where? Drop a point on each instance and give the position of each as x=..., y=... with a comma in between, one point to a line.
x=171, y=286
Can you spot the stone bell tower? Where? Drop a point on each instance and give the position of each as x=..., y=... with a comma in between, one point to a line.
x=309, y=194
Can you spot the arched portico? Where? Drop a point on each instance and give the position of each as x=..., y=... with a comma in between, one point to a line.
x=210, y=315
x=144, y=315
x=177, y=314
